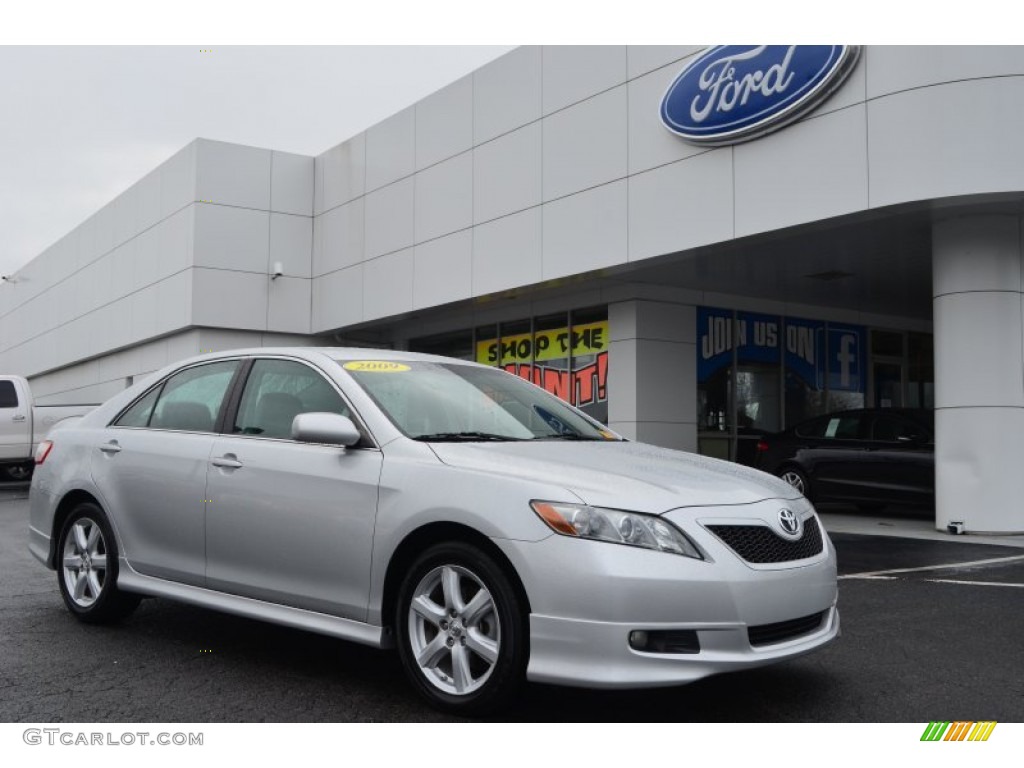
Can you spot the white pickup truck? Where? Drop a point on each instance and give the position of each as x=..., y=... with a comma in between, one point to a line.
x=23, y=424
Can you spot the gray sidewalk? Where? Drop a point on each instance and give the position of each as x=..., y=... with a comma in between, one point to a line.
x=902, y=525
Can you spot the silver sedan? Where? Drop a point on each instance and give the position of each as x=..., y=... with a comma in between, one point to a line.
x=491, y=532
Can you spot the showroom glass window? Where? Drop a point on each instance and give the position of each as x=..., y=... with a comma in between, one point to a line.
x=757, y=373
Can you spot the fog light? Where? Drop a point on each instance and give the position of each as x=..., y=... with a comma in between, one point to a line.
x=638, y=640
x=664, y=641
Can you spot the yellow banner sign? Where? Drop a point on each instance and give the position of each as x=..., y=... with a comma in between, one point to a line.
x=554, y=344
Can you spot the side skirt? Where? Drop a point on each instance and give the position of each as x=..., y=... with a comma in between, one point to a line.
x=322, y=623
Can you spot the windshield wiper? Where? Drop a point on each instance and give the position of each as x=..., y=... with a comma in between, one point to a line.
x=568, y=436
x=455, y=437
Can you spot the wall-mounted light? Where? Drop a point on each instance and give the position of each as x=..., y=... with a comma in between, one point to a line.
x=276, y=270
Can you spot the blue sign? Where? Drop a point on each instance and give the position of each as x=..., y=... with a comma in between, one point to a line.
x=805, y=350
x=846, y=358
x=733, y=93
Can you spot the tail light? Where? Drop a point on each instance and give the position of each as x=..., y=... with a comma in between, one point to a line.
x=762, y=446
x=43, y=450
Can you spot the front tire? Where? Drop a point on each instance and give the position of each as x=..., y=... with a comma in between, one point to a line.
x=87, y=568
x=462, y=630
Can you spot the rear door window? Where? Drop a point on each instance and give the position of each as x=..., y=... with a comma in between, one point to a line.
x=8, y=395
x=191, y=400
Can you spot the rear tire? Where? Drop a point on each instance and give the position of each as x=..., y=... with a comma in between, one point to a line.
x=87, y=568
x=462, y=630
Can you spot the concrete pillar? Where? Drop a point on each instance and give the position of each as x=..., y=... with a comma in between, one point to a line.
x=979, y=373
x=652, y=373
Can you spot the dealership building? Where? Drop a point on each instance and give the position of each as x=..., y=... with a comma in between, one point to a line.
x=858, y=244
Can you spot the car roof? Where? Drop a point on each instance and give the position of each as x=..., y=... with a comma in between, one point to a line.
x=331, y=353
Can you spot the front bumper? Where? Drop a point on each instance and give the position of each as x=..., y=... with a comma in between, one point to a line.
x=587, y=597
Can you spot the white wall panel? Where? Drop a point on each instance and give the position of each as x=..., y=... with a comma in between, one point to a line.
x=122, y=271
x=444, y=197
x=978, y=339
x=507, y=252
x=145, y=258
x=919, y=144
x=344, y=173
x=575, y=72
x=585, y=145
x=219, y=298
x=444, y=123
x=387, y=285
x=339, y=237
x=585, y=231
x=176, y=237
x=232, y=238
x=150, y=210
x=442, y=270
x=507, y=173
x=681, y=206
x=650, y=142
x=125, y=208
x=391, y=149
x=231, y=174
x=291, y=243
x=898, y=68
x=813, y=170
x=641, y=59
x=338, y=299
x=291, y=183
x=977, y=253
x=506, y=93
x=389, y=218
x=178, y=180
x=290, y=299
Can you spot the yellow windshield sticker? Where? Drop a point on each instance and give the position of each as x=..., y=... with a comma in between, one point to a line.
x=377, y=366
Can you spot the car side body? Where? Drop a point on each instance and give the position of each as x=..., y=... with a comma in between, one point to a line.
x=324, y=536
x=871, y=457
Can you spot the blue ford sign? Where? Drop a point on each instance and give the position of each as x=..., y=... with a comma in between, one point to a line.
x=733, y=93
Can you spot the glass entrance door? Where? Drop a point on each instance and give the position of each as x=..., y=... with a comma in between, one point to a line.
x=887, y=377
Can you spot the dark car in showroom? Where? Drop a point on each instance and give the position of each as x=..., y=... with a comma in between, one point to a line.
x=868, y=457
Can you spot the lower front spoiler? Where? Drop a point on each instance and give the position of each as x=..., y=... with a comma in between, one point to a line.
x=596, y=654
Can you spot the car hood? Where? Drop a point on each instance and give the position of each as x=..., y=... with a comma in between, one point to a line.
x=622, y=475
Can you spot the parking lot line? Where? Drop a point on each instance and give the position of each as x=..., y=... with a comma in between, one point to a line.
x=975, y=583
x=941, y=567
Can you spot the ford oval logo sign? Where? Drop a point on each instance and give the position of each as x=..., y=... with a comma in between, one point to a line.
x=733, y=93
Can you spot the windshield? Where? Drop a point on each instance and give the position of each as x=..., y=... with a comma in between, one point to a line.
x=449, y=402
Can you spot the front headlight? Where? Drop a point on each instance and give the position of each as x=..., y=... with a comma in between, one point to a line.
x=614, y=525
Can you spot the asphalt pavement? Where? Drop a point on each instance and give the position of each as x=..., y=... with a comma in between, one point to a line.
x=931, y=631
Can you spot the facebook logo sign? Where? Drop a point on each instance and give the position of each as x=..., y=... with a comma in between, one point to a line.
x=846, y=358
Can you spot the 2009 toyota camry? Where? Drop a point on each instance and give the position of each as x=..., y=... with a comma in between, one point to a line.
x=487, y=529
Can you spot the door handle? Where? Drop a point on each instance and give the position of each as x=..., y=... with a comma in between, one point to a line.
x=19, y=417
x=227, y=461
x=111, y=447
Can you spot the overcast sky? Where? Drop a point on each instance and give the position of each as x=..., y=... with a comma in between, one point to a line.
x=83, y=124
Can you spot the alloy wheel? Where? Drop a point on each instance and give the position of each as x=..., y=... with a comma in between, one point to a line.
x=85, y=562
x=795, y=479
x=454, y=632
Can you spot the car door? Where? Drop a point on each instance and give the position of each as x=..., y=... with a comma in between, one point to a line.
x=903, y=460
x=836, y=457
x=150, y=466
x=15, y=424
x=290, y=522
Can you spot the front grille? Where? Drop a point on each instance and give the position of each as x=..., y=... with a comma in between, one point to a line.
x=768, y=634
x=760, y=544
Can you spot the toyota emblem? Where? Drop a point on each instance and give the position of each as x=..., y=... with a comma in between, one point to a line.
x=790, y=523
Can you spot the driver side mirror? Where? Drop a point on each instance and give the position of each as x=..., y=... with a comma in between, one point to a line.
x=329, y=428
